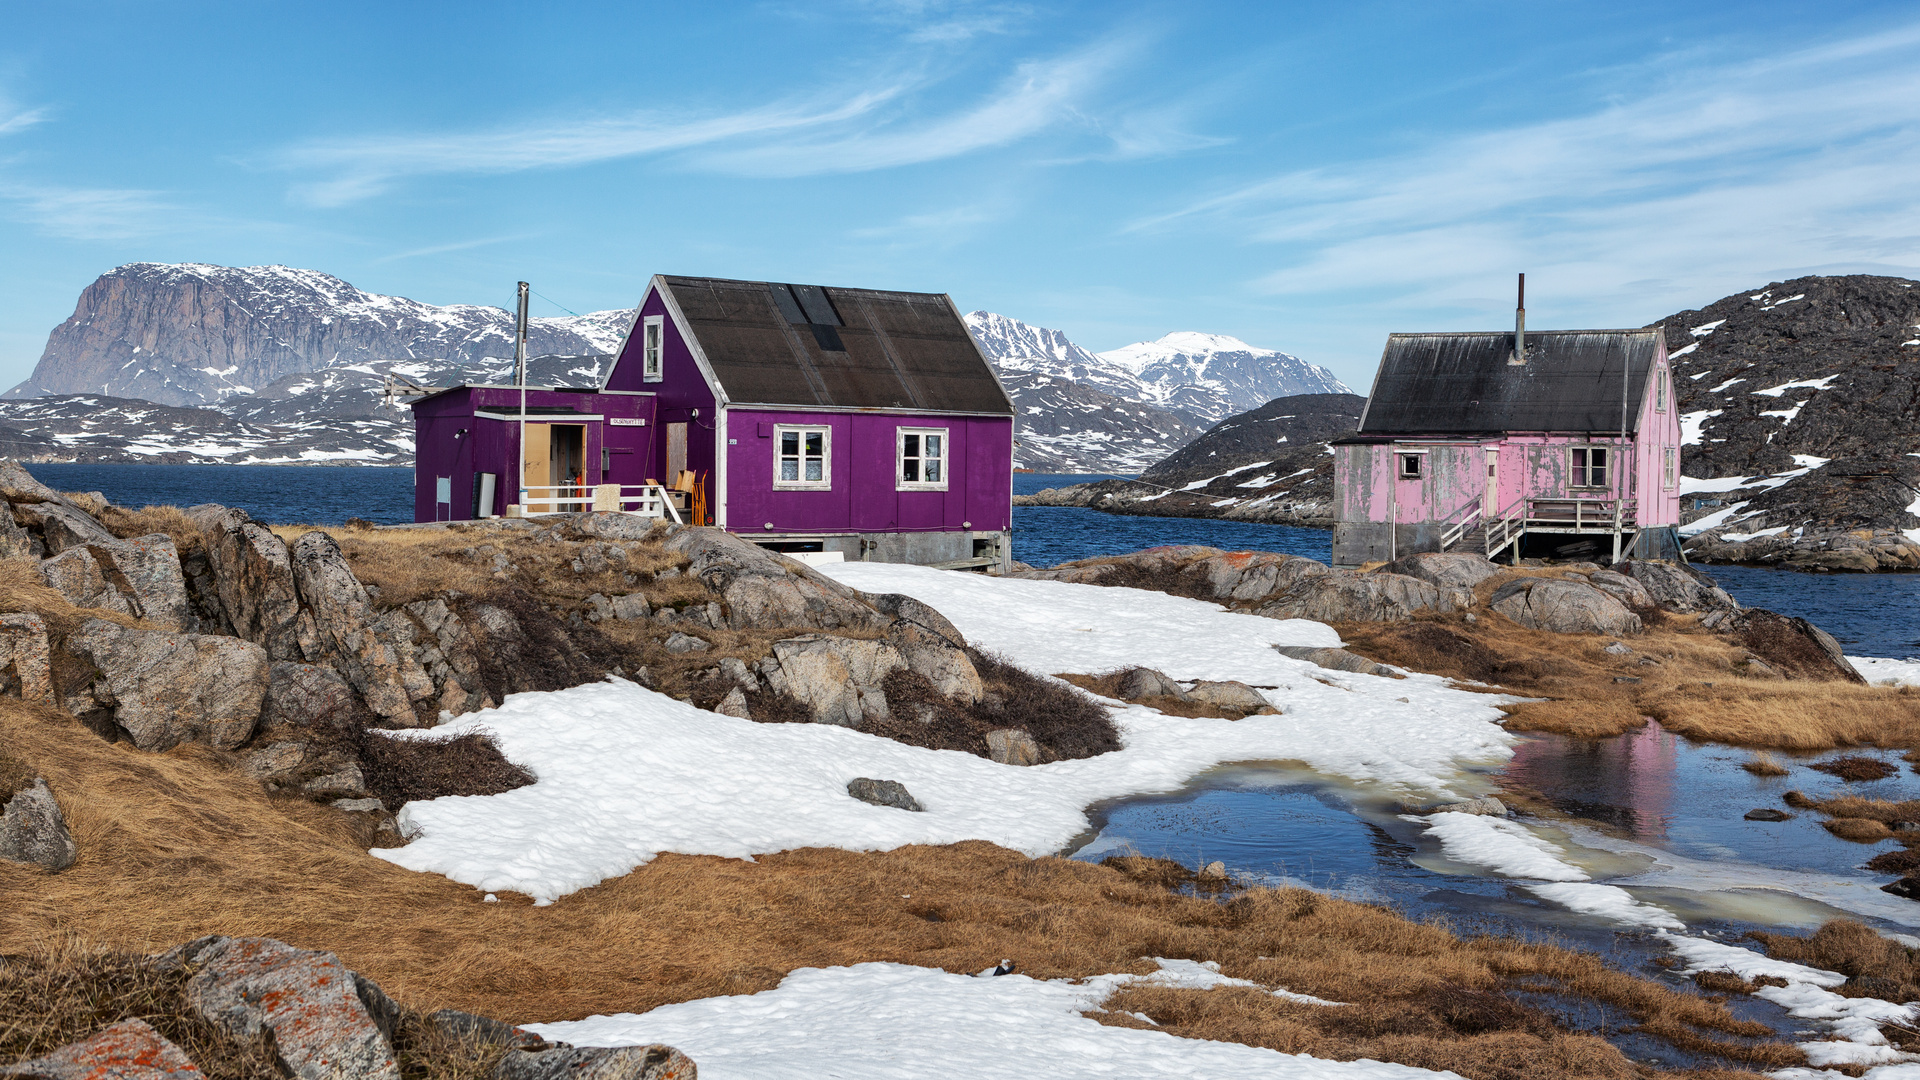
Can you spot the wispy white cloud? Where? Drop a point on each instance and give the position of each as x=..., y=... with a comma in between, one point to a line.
x=364, y=166
x=899, y=120
x=444, y=249
x=89, y=213
x=1724, y=172
x=14, y=118
x=1038, y=96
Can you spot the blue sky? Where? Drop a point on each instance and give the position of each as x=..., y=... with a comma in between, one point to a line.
x=1306, y=177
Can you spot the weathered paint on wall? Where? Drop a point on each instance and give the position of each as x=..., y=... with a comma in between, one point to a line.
x=863, y=459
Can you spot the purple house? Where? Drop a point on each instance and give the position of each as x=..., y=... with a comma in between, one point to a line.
x=824, y=422
x=1560, y=442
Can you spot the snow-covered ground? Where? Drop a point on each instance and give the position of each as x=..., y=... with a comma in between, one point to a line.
x=894, y=1022
x=625, y=774
x=610, y=756
x=1884, y=672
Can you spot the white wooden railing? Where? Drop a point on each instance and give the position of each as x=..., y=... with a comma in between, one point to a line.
x=643, y=500
x=1466, y=516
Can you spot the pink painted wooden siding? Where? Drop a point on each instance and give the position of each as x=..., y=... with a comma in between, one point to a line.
x=1455, y=473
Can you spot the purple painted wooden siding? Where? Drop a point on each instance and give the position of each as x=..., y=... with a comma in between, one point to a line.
x=491, y=445
x=1455, y=472
x=863, y=456
x=681, y=391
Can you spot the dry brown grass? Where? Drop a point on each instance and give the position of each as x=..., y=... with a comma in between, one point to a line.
x=1764, y=764
x=1856, y=767
x=1694, y=688
x=178, y=845
x=66, y=990
x=147, y=520
x=1858, y=830
x=1876, y=966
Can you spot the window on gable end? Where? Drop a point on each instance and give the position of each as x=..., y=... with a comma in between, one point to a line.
x=653, y=347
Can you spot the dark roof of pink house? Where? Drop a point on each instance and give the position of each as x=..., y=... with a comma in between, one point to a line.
x=1458, y=384
x=771, y=343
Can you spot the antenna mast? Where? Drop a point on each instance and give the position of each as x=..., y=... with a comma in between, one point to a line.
x=1520, y=325
x=520, y=376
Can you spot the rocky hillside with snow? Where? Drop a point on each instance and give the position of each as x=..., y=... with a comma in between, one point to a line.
x=194, y=334
x=1800, y=407
x=1269, y=465
x=1125, y=410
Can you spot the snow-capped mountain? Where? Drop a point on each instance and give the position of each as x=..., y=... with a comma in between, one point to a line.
x=1124, y=410
x=1215, y=376
x=192, y=334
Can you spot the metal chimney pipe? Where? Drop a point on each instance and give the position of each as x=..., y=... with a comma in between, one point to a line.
x=1520, y=325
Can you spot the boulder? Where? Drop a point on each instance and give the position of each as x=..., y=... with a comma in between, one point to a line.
x=654, y=1062
x=253, y=574
x=762, y=590
x=1253, y=575
x=77, y=576
x=1012, y=746
x=25, y=670
x=1347, y=596
x=139, y=577
x=32, y=829
x=450, y=655
x=1136, y=683
x=148, y=572
x=306, y=1005
x=838, y=678
x=929, y=653
x=1792, y=646
x=1456, y=569
x=17, y=485
x=129, y=1050
x=1563, y=607
x=611, y=526
x=1487, y=806
x=1335, y=660
x=1141, y=567
x=1677, y=587
x=373, y=652
x=735, y=705
x=15, y=542
x=165, y=688
x=883, y=793
x=901, y=606
x=1230, y=695
x=678, y=643
x=1622, y=588
x=63, y=525
x=1767, y=813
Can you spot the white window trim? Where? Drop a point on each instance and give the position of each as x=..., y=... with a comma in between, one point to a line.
x=1402, y=458
x=653, y=361
x=1660, y=390
x=1670, y=468
x=825, y=483
x=1613, y=461
x=900, y=459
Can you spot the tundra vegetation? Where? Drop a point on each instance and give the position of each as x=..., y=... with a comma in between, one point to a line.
x=261, y=828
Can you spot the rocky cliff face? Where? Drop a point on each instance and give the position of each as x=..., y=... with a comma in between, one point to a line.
x=1800, y=407
x=192, y=334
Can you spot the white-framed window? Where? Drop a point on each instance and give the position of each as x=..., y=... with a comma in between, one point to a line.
x=1660, y=390
x=1587, y=466
x=1409, y=466
x=653, y=347
x=920, y=459
x=1671, y=474
x=802, y=457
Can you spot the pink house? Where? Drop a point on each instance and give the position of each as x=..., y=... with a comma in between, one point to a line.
x=1567, y=444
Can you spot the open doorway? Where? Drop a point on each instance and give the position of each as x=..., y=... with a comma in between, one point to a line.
x=556, y=474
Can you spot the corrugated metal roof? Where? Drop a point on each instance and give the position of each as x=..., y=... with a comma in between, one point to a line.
x=822, y=346
x=1436, y=384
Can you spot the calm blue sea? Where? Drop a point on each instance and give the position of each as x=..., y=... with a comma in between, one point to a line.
x=1871, y=614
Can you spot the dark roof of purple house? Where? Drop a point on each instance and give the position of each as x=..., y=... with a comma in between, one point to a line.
x=770, y=343
x=1459, y=384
